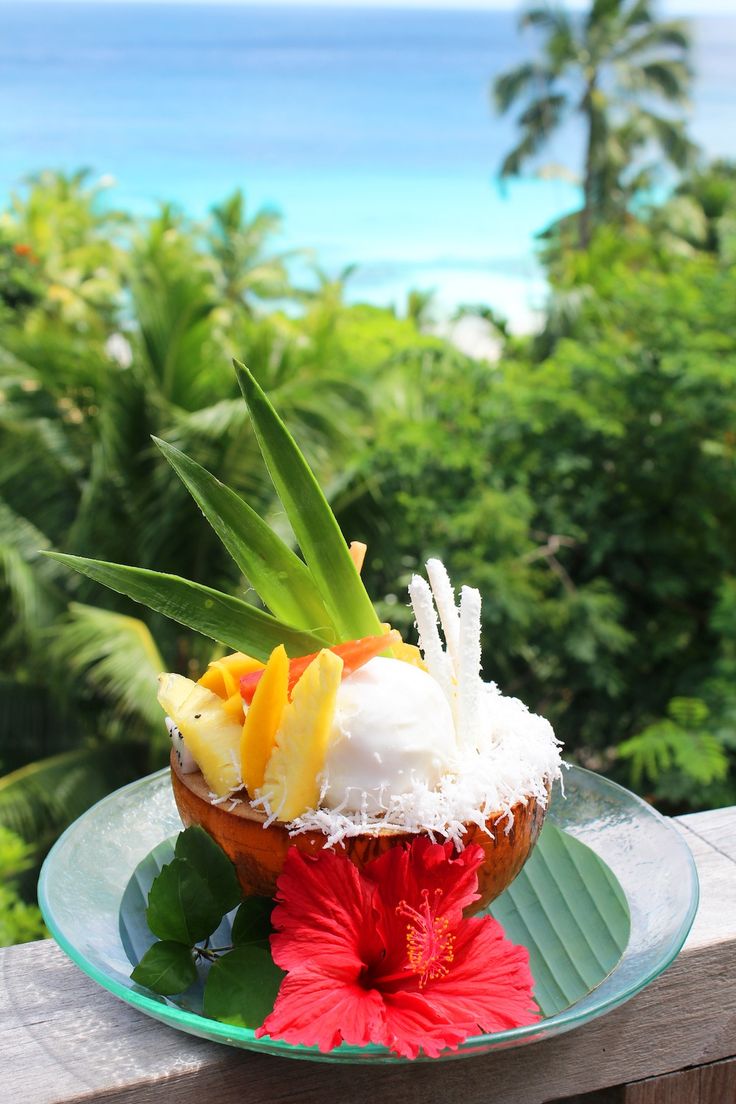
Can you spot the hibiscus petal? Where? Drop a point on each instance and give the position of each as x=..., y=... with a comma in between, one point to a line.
x=402, y=873
x=414, y=1024
x=489, y=980
x=324, y=916
x=312, y=1010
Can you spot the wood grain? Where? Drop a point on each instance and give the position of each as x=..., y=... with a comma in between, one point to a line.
x=718, y=1083
x=63, y=1040
x=716, y=828
x=675, y=1088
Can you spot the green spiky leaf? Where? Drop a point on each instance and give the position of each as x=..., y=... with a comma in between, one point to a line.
x=315, y=526
x=281, y=579
x=229, y=620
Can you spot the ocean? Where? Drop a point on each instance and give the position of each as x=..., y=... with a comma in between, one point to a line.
x=370, y=129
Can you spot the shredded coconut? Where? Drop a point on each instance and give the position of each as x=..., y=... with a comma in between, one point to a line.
x=505, y=754
x=519, y=760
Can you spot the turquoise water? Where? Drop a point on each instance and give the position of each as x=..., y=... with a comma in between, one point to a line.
x=370, y=129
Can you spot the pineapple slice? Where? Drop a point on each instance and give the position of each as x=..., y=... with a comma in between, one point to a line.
x=209, y=733
x=264, y=718
x=290, y=781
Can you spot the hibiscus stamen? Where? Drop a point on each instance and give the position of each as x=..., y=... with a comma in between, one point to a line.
x=429, y=942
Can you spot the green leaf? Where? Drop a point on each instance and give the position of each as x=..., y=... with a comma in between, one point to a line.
x=568, y=909
x=311, y=518
x=280, y=578
x=252, y=923
x=212, y=865
x=242, y=986
x=166, y=967
x=115, y=655
x=228, y=620
x=181, y=906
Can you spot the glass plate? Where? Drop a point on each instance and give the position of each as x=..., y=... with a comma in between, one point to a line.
x=84, y=877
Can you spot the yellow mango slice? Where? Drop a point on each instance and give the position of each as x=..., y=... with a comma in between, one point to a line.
x=223, y=675
x=233, y=706
x=290, y=780
x=263, y=719
x=409, y=653
x=211, y=736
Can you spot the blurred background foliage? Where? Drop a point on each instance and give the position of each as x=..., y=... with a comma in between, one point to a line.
x=583, y=480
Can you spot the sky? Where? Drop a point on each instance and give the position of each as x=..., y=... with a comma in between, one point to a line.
x=667, y=7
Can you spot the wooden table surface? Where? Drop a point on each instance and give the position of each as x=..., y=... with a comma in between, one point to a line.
x=64, y=1039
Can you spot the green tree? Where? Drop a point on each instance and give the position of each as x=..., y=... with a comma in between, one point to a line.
x=248, y=273
x=624, y=73
x=19, y=922
x=701, y=213
x=78, y=472
x=63, y=222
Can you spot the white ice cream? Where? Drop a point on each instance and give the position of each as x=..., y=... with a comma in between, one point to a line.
x=393, y=730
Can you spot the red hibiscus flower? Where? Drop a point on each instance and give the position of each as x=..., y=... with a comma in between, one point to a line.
x=385, y=955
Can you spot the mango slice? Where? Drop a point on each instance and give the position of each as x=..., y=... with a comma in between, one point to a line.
x=223, y=675
x=263, y=719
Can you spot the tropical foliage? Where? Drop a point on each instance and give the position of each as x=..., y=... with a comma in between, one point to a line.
x=626, y=75
x=585, y=482
x=19, y=921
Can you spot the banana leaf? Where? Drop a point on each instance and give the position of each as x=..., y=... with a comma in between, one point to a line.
x=569, y=910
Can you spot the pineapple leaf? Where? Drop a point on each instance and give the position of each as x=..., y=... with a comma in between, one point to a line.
x=280, y=578
x=228, y=620
x=311, y=518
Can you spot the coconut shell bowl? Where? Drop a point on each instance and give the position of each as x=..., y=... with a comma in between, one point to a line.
x=258, y=853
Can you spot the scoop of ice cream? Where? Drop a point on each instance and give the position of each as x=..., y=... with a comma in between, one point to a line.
x=393, y=729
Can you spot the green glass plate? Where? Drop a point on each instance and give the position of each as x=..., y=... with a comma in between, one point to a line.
x=607, y=867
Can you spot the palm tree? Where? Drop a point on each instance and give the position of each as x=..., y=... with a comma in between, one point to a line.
x=701, y=214
x=247, y=271
x=623, y=72
x=78, y=471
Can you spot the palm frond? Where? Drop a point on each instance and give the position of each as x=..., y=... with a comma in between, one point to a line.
x=41, y=799
x=115, y=655
x=537, y=121
x=546, y=17
x=673, y=34
x=671, y=136
x=639, y=14
x=513, y=84
x=33, y=598
x=669, y=79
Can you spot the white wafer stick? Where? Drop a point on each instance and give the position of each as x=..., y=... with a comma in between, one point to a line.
x=429, y=637
x=469, y=681
x=444, y=597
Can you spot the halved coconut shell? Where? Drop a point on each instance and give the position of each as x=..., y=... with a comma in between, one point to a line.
x=259, y=853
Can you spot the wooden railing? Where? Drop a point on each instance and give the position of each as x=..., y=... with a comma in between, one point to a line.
x=63, y=1039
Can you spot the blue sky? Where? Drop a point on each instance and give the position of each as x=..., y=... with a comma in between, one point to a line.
x=668, y=7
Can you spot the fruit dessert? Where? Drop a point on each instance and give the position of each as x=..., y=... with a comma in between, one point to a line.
x=362, y=746
x=321, y=728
